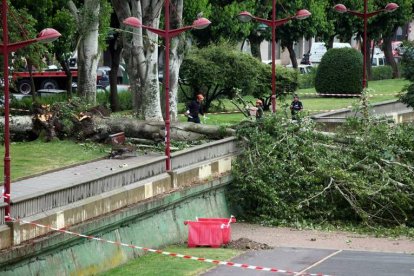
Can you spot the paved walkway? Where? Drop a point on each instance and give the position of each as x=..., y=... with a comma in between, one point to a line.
x=326, y=252
x=324, y=261
x=75, y=175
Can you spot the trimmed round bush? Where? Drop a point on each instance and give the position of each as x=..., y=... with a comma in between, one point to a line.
x=381, y=72
x=340, y=72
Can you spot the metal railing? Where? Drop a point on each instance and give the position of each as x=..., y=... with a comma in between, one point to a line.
x=208, y=151
x=33, y=204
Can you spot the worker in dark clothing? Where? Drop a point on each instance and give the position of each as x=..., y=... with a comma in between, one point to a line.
x=295, y=107
x=194, y=109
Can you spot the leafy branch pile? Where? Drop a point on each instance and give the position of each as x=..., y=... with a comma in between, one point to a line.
x=289, y=173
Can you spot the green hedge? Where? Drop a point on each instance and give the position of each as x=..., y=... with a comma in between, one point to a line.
x=340, y=71
x=307, y=80
x=381, y=72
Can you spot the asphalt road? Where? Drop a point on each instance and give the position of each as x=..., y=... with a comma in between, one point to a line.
x=323, y=261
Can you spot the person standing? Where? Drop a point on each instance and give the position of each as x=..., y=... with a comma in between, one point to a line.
x=259, y=110
x=194, y=109
x=295, y=107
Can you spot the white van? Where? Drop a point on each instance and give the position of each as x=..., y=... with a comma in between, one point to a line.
x=318, y=49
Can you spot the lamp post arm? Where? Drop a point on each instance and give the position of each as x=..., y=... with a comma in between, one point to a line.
x=12, y=47
x=175, y=32
x=367, y=15
x=371, y=14
x=170, y=33
x=274, y=23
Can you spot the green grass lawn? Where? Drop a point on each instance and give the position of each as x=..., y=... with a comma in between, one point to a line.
x=28, y=158
x=156, y=264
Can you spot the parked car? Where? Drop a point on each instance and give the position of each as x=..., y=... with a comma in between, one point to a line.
x=318, y=49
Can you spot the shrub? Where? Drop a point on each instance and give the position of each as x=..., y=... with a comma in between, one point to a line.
x=219, y=70
x=407, y=65
x=381, y=72
x=307, y=80
x=340, y=71
x=124, y=97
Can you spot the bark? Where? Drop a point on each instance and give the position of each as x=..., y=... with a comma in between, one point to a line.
x=292, y=54
x=88, y=49
x=32, y=84
x=141, y=56
x=368, y=58
x=178, y=47
x=65, y=67
x=255, y=41
x=387, y=47
x=115, y=48
x=329, y=44
x=99, y=128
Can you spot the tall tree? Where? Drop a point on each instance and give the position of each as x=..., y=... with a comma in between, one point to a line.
x=62, y=21
x=141, y=51
x=92, y=18
x=294, y=30
x=141, y=55
x=385, y=25
x=24, y=26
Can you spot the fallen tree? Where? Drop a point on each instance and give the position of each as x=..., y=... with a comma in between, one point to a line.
x=71, y=120
x=290, y=174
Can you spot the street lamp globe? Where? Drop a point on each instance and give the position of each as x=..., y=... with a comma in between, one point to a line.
x=245, y=17
x=133, y=22
x=390, y=7
x=201, y=23
x=48, y=35
x=302, y=14
x=340, y=8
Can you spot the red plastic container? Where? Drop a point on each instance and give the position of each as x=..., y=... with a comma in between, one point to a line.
x=226, y=230
x=205, y=233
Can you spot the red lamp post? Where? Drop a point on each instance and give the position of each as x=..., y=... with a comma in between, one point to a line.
x=390, y=7
x=167, y=34
x=273, y=23
x=45, y=36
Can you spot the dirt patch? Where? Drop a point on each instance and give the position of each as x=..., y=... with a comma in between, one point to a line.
x=247, y=244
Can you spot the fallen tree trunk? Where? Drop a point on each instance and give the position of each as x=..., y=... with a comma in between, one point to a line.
x=98, y=128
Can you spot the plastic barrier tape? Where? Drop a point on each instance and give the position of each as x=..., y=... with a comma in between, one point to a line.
x=218, y=262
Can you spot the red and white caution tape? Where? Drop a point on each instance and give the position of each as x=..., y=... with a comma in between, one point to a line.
x=218, y=262
x=345, y=95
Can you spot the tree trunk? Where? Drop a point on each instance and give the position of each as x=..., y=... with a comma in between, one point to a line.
x=292, y=54
x=387, y=47
x=141, y=56
x=178, y=47
x=32, y=84
x=66, y=69
x=88, y=50
x=255, y=41
x=368, y=59
x=115, y=48
x=97, y=128
x=329, y=44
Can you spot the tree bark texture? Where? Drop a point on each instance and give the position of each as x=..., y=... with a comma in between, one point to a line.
x=88, y=51
x=98, y=128
x=115, y=48
x=141, y=55
x=387, y=48
x=88, y=48
x=177, y=47
x=292, y=54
